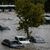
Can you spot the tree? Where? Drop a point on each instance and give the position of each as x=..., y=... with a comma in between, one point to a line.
x=39, y=1
x=30, y=14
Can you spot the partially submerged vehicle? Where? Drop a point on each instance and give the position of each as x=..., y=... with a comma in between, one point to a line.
x=36, y=39
x=12, y=44
x=4, y=28
x=22, y=39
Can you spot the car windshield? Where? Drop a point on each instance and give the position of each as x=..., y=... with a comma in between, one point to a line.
x=22, y=39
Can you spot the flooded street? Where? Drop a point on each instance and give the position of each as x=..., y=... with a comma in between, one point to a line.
x=9, y=19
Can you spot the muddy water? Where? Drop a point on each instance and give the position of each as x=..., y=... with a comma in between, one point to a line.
x=9, y=19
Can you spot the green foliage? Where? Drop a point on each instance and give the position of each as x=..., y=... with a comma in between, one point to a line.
x=39, y=1
x=29, y=13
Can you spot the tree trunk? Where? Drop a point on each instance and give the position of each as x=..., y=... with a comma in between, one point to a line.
x=27, y=31
x=27, y=28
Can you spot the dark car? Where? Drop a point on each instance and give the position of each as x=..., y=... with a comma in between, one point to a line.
x=36, y=39
x=4, y=28
x=12, y=44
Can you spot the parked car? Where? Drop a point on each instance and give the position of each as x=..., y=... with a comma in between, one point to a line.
x=12, y=44
x=3, y=28
x=38, y=42
x=22, y=39
x=36, y=39
x=47, y=18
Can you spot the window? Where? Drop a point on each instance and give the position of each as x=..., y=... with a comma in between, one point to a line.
x=20, y=38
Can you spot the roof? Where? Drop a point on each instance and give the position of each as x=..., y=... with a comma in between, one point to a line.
x=21, y=36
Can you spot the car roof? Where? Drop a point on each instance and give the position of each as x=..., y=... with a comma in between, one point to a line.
x=21, y=36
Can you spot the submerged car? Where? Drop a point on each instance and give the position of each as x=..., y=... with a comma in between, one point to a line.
x=22, y=39
x=4, y=28
x=38, y=42
x=12, y=44
x=36, y=39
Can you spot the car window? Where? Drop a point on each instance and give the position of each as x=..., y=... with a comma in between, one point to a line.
x=22, y=39
x=16, y=38
x=47, y=16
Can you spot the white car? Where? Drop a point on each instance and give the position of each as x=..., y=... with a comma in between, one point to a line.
x=22, y=39
x=47, y=16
